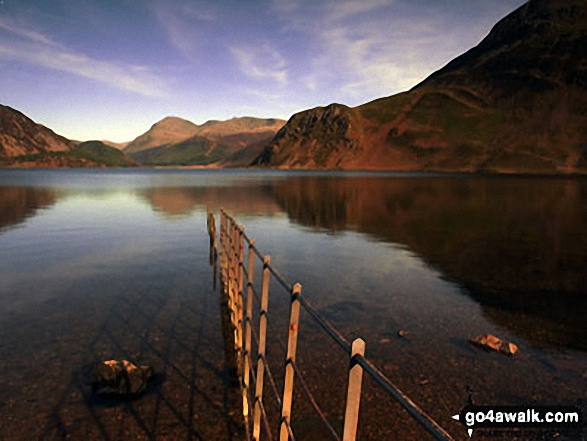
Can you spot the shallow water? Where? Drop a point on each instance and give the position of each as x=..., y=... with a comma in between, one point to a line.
x=442, y=257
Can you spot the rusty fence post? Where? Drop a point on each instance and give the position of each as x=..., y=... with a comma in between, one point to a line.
x=353, y=397
x=261, y=348
x=292, y=343
x=248, y=323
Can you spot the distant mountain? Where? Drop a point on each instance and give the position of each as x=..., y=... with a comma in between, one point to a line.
x=20, y=135
x=116, y=145
x=99, y=152
x=169, y=130
x=517, y=102
x=233, y=142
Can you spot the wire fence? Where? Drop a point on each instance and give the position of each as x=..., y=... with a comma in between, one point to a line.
x=237, y=281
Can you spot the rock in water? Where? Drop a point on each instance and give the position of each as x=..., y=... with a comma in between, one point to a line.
x=492, y=342
x=120, y=378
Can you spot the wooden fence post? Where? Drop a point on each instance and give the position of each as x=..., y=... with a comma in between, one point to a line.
x=292, y=343
x=353, y=398
x=223, y=260
x=234, y=290
x=248, y=323
x=240, y=294
x=261, y=348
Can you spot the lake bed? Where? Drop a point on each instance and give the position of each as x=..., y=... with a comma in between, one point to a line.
x=101, y=264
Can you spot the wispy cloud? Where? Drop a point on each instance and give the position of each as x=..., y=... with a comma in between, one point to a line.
x=261, y=63
x=263, y=95
x=359, y=50
x=337, y=10
x=21, y=44
x=182, y=21
x=373, y=64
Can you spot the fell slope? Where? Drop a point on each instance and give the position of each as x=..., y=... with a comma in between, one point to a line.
x=20, y=135
x=517, y=102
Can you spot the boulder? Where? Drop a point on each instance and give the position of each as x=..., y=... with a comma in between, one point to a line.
x=491, y=342
x=113, y=377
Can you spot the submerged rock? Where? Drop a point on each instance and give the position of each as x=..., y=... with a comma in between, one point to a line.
x=113, y=377
x=491, y=342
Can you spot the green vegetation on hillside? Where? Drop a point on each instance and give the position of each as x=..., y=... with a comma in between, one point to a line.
x=97, y=151
x=195, y=151
x=92, y=153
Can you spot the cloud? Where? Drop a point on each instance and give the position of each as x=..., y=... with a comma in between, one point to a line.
x=284, y=6
x=261, y=63
x=338, y=10
x=28, y=46
x=373, y=64
x=180, y=20
x=360, y=50
x=263, y=95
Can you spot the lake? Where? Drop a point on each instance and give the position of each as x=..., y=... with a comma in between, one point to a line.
x=98, y=264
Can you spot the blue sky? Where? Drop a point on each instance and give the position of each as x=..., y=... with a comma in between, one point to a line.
x=109, y=69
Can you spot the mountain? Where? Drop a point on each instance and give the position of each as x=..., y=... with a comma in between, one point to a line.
x=100, y=153
x=167, y=131
x=116, y=145
x=233, y=142
x=24, y=143
x=20, y=135
x=517, y=102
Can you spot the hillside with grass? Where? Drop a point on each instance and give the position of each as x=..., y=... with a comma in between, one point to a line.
x=516, y=103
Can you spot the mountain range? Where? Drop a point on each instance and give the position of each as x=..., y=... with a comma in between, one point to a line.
x=175, y=141
x=515, y=103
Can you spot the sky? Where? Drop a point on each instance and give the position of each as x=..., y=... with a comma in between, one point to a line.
x=109, y=69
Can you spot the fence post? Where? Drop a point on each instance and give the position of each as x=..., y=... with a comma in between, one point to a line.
x=234, y=291
x=230, y=269
x=223, y=261
x=211, y=224
x=292, y=343
x=261, y=348
x=240, y=294
x=353, y=397
x=248, y=320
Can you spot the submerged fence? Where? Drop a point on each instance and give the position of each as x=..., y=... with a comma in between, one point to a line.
x=255, y=367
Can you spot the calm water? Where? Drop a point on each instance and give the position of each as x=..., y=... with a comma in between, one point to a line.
x=442, y=257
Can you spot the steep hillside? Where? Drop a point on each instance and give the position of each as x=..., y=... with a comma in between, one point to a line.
x=20, y=135
x=517, y=102
x=24, y=143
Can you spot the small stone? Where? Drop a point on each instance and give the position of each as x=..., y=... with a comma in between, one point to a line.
x=402, y=333
x=120, y=378
x=489, y=341
x=384, y=340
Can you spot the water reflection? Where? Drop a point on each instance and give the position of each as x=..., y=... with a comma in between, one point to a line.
x=19, y=203
x=238, y=199
x=516, y=245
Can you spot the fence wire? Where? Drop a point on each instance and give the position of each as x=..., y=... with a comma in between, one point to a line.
x=381, y=380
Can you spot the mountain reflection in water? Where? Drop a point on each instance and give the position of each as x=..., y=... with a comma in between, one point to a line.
x=515, y=244
x=19, y=203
